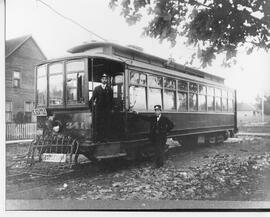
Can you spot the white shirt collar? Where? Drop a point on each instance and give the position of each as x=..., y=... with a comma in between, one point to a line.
x=103, y=86
x=158, y=117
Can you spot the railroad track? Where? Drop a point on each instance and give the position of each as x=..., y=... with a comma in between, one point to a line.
x=31, y=180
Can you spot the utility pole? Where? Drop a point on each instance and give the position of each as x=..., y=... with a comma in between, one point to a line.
x=262, y=106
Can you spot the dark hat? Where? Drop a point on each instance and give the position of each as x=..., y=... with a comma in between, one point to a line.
x=104, y=75
x=157, y=107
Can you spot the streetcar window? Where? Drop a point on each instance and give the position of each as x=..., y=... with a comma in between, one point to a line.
x=154, y=81
x=210, y=99
x=182, y=85
x=56, y=84
x=218, y=94
x=202, y=98
x=230, y=94
x=75, y=88
x=137, y=78
x=56, y=68
x=137, y=93
x=193, y=101
x=230, y=101
x=118, y=92
x=224, y=100
x=224, y=104
x=137, y=97
x=169, y=100
x=182, y=95
x=202, y=89
x=230, y=105
x=155, y=91
x=169, y=83
x=41, y=85
x=75, y=82
x=202, y=102
x=224, y=93
x=193, y=97
x=193, y=87
x=218, y=103
x=75, y=66
x=182, y=101
x=210, y=103
x=118, y=79
x=210, y=91
x=155, y=97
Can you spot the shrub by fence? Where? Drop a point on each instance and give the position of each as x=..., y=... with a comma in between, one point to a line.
x=20, y=131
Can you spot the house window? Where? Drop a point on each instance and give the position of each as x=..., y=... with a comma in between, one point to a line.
x=16, y=79
x=8, y=111
x=28, y=111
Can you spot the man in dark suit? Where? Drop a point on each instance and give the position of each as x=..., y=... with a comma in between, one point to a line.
x=159, y=127
x=101, y=102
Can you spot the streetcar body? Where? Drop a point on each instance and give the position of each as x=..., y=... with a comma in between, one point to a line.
x=199, y=104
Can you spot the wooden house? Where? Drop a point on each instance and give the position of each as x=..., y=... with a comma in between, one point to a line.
x=21, y=56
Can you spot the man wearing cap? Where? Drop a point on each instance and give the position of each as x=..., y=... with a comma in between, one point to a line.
x=101, y=102
x=159, y=127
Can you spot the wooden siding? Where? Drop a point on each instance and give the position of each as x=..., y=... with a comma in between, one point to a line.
x=20, y=131
x=24, y=60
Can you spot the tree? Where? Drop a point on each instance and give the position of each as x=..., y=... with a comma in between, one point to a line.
x=211, y=26
x=266, y=103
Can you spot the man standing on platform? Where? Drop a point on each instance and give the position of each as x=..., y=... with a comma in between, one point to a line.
x=101, y=102
x=159, y=128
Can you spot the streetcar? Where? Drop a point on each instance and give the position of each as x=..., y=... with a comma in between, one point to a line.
x=201, y=107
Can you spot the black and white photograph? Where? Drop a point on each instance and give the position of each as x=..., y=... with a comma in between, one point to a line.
x=136, y=105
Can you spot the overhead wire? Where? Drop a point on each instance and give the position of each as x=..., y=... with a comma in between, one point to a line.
x=71, y=20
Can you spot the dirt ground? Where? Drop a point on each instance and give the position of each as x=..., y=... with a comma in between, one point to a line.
x=237, y=169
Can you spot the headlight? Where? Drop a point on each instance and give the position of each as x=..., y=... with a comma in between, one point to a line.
x=56, y=129
x=39, y=131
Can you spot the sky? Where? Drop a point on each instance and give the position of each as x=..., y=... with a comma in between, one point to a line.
x=55, y=35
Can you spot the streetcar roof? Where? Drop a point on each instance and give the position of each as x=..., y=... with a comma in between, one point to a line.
x=80, y=56
x=115, y=50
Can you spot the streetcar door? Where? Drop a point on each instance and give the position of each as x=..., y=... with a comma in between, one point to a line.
x=115, y=72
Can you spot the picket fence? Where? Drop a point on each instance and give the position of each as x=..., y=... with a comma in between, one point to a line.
x=20, y=131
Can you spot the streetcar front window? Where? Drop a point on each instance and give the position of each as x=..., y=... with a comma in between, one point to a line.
x=75, y=82
x=41, y=85
x=56, y=84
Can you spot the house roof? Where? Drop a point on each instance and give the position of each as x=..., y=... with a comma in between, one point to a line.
x=13, y=44
x=245, y=107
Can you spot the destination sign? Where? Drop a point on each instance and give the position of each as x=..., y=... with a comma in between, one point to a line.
x=39, y=112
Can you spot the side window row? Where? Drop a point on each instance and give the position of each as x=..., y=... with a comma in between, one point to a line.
x=146, y=90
